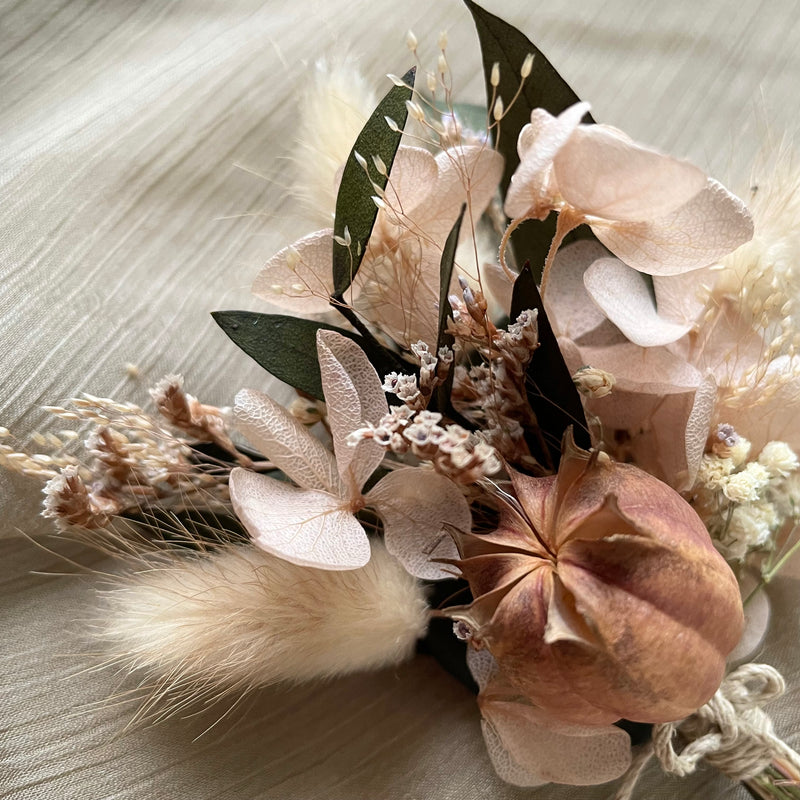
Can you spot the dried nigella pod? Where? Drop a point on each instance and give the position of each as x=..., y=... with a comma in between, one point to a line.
x=601, y=596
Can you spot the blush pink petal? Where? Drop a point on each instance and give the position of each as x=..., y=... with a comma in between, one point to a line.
x=531, y=749
x=626, y=298
x=354, y=397
x=601, y=173
x=285, y=442
x=529, y=194
x=413, y=175
x=305, y=289
x=418, y=509
x=703, y=230
x=570, y=308
x=469, y=172
x=303, y=526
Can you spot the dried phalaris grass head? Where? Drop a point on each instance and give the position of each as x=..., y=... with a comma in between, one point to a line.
x=601, y=596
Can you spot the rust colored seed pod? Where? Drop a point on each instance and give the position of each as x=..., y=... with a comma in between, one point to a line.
x=601, y=596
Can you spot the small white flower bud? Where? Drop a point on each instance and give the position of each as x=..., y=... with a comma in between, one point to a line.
x=497, y=110
x=411, y=41
x=494, y=78
x=527, y=64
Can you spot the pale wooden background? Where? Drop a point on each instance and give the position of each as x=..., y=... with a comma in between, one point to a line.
x=144, y=179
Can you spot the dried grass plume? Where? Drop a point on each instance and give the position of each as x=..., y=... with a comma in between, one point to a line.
x=204, y=626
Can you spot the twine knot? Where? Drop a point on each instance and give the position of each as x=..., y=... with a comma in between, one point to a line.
x=730, y=732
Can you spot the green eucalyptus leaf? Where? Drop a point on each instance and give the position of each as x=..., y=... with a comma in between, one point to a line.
x=443, y=338
x=445, y=278
x=355, y=209
x=503, y=44
x=285, y=346
x=552, y=395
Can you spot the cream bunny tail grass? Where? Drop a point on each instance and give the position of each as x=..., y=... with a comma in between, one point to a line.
x=203, y=626
x=335, y=107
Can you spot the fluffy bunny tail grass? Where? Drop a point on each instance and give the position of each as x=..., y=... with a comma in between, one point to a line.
x=335, y=107
x=239, y=618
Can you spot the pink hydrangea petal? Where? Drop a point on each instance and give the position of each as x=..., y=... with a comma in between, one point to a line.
x=303, y=526
x=682, y=298
x=527, y=746
x=412, y=178
x=497, y=285
x=285, y=442
x=708, y=227
x=415, y=506
x=569, y=307
x=354, y=397
x=529, y=194
x=697, y=428
x=468, y=170
x=602, y=174
x=305, y=289
x=404, y=304
x=625, y=297
x=653, y=370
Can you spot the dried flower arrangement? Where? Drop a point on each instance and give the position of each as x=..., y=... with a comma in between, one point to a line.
x=559, y=386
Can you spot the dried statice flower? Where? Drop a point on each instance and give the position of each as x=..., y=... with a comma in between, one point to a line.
x=416, y=393
x=493, y=394
x=452, y=450
x=69, y=502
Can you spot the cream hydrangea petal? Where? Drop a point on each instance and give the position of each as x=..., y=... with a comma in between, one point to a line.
x=354, y=396
x=697, y=428
x=569, y=307
x=626, y=299
x=414, y=171
x=682, y=298
x=467, y=172
x=708, y=227
x=527, y=745
x=603, y=174
x=299, y=277
x=496, y=284
x=286, y=442
x=404, y=302
x=415, y=505
x=303, y=526
x=538, y=144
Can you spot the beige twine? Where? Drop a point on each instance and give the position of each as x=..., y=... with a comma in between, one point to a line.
x=730, y=732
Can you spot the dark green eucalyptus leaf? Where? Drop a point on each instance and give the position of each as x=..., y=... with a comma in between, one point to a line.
x=503, y=44
x=551, y=393
x=355, y=209
x=444, y=339
x=285, y=346
x=445, y=277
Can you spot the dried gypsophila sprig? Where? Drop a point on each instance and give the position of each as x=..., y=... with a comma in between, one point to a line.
x=746, y=503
